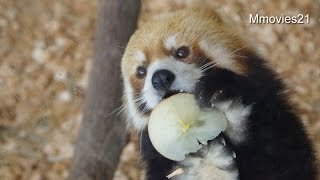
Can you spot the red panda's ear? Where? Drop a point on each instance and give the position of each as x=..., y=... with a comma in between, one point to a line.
x=216, y=15
x=146, y=17
x=204, y=11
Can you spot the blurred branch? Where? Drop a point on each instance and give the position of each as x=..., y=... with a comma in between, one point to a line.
x=101, y=137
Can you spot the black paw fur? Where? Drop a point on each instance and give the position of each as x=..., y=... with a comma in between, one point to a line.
x=216, y=86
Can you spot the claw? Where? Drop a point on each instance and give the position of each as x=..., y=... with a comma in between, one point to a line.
x=234, y=154
x=175, y=173
x=212, y=105
x=216, y=96
x=223, y=142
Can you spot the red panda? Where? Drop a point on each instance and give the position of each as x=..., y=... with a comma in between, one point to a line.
x=196, y=51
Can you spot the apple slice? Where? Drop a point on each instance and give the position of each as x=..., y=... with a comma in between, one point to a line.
x=177, y=126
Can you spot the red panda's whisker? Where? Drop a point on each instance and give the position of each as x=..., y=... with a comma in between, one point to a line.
x=122, y=47
x=123, y=106
x=118, y=110
x=121, y=110
x=210, y=65
x=207, y=66
x=203, y=61
x=144, y=110
x=245, y=57
x=137, y=99
x=233, y=52
x=140, y=103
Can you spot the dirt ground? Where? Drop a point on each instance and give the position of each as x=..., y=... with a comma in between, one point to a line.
x=45, y=54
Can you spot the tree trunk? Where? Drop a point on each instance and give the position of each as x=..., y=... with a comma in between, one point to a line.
x=101, y=137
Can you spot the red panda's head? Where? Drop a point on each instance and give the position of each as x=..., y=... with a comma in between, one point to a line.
x=171, y=54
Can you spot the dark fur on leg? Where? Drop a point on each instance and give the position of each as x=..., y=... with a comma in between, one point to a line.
x=276, y=145
x=157, y=167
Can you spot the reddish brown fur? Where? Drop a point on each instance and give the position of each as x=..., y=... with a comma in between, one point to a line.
x=192, y=26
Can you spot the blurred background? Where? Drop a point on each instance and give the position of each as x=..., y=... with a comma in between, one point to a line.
x=45, y=55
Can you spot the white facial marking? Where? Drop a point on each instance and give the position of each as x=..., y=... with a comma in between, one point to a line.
x=186, y=76
x=134, y=119
x=140, y=56
x=170, y=42
x=218, y=53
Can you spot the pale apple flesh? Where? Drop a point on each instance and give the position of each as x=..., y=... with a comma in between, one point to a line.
x=177, y=126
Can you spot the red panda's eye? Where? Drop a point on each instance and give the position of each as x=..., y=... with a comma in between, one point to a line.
x=182, y=52
x=141, y=72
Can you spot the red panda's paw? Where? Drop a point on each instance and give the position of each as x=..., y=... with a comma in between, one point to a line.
x=212, y=98
x=218, y=86
x=226, y=90
x=224, y=94
x=215, y=161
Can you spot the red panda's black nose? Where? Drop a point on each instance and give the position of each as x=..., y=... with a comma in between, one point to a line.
x=162, y=79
